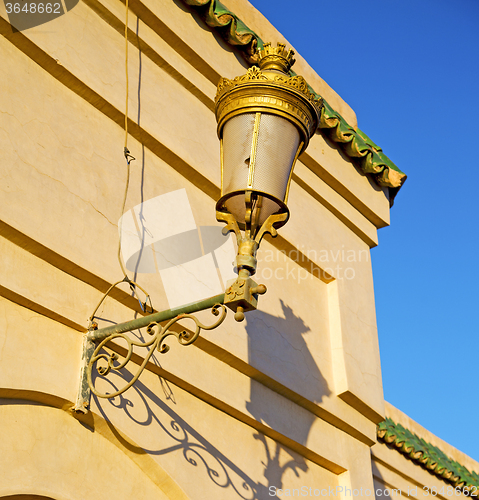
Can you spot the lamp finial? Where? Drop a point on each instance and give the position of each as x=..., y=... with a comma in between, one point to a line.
x=277, y=58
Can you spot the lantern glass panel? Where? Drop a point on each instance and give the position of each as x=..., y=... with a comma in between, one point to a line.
x=269, y=155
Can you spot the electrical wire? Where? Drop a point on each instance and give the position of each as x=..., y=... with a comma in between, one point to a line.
x=127, y=83
x=129, y=158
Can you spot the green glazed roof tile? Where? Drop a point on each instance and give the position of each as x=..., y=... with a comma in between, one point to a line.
x=426, y=455
x=235, y=32
x=355, y=143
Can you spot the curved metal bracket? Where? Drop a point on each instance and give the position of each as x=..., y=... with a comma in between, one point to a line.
x=231, y=224
x=159, y=334
x=268, y=226
x=94, y=340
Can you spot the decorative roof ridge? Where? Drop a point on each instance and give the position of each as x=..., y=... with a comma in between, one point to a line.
x=355, y=143
x=427, y=456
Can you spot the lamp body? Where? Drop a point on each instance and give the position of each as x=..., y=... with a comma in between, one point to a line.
x=265, y=120
x=259, y=150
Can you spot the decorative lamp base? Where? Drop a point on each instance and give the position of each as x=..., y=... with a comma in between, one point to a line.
x=242, y=295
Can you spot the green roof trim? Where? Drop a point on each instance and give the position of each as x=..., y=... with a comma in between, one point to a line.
x=355, y=143
x=233, y=29
x=426, y=455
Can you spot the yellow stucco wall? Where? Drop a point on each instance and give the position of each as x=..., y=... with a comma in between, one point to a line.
x=287, y=399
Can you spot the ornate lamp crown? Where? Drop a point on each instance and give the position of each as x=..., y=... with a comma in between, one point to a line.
x=269, y=88
x=276, y=57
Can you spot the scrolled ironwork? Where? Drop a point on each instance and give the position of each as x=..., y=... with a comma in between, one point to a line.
x=156, y=343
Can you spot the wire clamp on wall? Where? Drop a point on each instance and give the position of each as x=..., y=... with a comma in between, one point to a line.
x=129, y=157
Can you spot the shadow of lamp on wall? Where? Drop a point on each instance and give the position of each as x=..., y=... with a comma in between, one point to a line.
x=265, y=120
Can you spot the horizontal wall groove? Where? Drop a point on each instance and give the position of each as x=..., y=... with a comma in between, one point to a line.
x=392, y=469
x=309, y=162
x=149, y=52
x=80, y=88
x=39, y=309
x=212, y=350
x=222, y=355
x=233, y=412
x=342, y=190
x=70, y=81
x=149, y=18
x=275, y=386
x=173, y=40
x=354, y=228
x=67, y=266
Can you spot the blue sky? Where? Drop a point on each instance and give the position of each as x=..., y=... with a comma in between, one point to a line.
x=410, y=71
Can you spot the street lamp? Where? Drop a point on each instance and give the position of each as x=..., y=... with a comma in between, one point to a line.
x=265, y=120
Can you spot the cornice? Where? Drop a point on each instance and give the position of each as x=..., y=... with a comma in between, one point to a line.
x=353, y=142
x=427, y=456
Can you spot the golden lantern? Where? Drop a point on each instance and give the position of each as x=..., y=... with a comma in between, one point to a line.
x=265, y=120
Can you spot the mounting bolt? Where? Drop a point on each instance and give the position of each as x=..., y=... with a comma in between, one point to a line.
x=239, y=314
x=260, y=289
